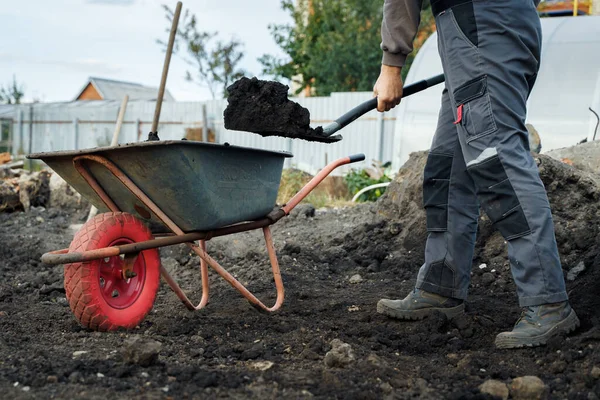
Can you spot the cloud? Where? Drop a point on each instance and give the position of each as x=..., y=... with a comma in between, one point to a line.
x=112, y=2
x=90, y=65
x=95, y=65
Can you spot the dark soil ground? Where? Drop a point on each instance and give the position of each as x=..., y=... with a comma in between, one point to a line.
x=220, y=351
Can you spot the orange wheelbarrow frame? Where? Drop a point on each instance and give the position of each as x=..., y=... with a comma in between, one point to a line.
x=131, y=250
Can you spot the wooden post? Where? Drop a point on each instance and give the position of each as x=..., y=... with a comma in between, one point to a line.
x=30, y=146
x=290, y=148
x=138, y=128
x=204, y=124
x=20, y=148
x=115, y=138
x=380, y=136
x=76, y=133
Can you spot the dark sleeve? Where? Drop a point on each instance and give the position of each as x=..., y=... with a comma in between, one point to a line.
x=398, y=30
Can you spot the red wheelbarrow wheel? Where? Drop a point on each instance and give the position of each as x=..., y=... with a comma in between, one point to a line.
x=99, y=296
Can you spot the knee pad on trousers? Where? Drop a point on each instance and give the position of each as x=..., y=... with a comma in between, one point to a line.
x=498, y=198
x=440, y=279
x=436, y=181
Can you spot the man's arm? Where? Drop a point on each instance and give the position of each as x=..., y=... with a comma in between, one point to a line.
x=398, y=30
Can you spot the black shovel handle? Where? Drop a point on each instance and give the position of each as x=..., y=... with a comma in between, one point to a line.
x=371, y=104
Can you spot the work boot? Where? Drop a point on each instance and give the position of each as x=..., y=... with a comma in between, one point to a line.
x=537, y=324
x=420, y=304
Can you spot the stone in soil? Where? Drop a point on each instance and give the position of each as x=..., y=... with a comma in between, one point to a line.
x=494, y=388
x=528, y=388
x=140, y=351
x=575, y=271
x=340, y=355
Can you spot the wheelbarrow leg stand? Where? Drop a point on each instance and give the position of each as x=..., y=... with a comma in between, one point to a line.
x=203, y=277
x=206, y=258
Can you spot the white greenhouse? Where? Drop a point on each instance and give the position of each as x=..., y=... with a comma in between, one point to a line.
x=568, y=85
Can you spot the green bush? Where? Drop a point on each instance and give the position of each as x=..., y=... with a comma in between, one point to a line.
x=359, y=179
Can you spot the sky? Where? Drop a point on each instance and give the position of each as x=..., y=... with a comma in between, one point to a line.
x=53, y=46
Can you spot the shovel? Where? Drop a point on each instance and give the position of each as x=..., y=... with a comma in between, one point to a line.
x=325, y=134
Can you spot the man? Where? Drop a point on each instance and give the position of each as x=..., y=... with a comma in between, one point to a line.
x=490, y=52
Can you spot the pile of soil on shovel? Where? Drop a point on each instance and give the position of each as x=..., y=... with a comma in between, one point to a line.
x=263, y=107
x=336, y=264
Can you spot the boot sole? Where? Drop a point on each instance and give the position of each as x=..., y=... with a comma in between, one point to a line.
x=567, y=326
x=415, y=315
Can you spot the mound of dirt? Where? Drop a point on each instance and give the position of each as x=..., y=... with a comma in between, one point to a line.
x=263, y=107
x=574, y=197
x=584, y=156
x=21, y=189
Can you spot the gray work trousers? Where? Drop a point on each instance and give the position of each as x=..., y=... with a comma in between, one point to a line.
x=490, y=53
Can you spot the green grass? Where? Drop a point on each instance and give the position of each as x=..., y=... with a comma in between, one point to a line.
x=292, y=180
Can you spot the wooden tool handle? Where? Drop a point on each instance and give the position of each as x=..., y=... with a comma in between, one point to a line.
x=163, y=79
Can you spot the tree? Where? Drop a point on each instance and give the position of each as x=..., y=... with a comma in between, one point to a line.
x=215, y=62
x=12, y=93
x=333, y=45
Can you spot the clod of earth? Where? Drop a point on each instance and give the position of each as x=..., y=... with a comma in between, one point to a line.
x=494, y=388
x=143, y=352
x=340, y=355
x=575, y=271
x=528, y=388
x=9, y=197
x=262, y=365
x=263, y=107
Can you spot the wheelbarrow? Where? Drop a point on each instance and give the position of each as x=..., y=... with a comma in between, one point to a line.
x=161, y=193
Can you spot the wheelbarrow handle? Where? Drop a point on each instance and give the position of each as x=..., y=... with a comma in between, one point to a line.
x=356, y=158
x=293, y=202
x=371, y=104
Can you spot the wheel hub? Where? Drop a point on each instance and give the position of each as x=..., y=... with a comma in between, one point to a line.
x=120, y=284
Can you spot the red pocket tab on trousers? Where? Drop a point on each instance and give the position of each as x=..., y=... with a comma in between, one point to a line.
x=459, y=111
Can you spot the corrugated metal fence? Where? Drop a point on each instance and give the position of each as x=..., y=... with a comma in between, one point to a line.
x=86, y=124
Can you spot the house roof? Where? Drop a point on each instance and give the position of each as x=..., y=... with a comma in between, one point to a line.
x=115, y=90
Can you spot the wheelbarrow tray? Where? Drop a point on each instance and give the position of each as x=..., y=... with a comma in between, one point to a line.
x=200, y=186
